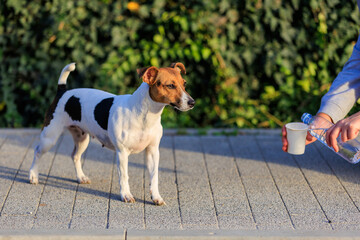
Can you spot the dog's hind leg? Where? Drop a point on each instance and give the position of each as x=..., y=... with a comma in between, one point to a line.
x=81, y=140
x=48, y=139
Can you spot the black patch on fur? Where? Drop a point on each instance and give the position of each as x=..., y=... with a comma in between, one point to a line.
x=101, y=112
x=49, y=115
x=73, y=108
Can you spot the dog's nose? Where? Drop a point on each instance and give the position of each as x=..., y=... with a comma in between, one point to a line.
x=191, y=103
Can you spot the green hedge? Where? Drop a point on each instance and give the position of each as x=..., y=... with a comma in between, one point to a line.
x=255, y=63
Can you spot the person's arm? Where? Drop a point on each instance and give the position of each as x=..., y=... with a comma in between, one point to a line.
x=345, y=90
x=342, y=95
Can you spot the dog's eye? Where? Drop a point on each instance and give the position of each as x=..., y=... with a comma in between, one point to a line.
x=185, y=83
x=171, y=86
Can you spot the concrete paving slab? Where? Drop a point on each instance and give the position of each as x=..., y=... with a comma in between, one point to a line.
x=266, y=203
x=12, y=155
x=348, y=174
x=329, y=192
x=92, y=200
x=195, y=197
x=236, y=187
x=40, y=234
x=228, y=192
x=57, y=199
x=292, y=186
x=242, y=235
x=16, y=204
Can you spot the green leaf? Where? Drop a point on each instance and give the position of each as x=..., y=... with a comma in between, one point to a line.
x=205, y=52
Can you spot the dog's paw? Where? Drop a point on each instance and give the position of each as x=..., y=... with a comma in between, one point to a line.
x=33, y=178
x=159, y=202
x=127, y=197
x=34, y=181
x=84, y=180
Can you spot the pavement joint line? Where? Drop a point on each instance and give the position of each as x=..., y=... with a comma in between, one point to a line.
x=110, y=192
x=313, y=192
x=16, y=174
x=209, y=182
x=77, y=188
x=144, y=189
x=274, y=181
x=177, y=182
x=242, y=181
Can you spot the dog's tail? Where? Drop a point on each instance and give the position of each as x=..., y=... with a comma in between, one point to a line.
x=65, y=73
x=61, y=89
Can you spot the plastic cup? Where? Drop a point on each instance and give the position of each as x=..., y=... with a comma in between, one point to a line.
x=296, y=136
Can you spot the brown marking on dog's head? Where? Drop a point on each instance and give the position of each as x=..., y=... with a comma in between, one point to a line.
x=167, y=85
x=148, y=74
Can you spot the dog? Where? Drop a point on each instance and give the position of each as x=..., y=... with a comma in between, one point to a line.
x=126, y=124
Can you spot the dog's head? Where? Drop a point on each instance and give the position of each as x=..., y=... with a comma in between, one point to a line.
x=167, y=85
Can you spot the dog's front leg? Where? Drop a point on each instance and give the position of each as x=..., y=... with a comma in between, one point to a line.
x=152, y=158
x=122, y=159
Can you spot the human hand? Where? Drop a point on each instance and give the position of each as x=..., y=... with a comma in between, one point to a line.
x=309, y=139
x=348, y=128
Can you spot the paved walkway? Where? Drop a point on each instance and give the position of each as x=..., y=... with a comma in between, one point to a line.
x=226, y=186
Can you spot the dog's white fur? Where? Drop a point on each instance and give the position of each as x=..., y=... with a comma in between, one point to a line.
x=134, y=124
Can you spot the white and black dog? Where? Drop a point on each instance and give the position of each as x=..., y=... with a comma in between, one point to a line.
x=124, y=123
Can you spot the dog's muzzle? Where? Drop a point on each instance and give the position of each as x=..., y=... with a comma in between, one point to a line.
x=189, y=104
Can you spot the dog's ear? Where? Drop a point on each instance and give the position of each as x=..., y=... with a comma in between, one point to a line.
x=141, y=71
x=148, y=74
x=180, y=66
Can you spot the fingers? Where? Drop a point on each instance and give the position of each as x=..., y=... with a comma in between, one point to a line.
x=352, y=133
x=344, y=134
x=347, y=128
x=310, y=139
x=331, y=137
x=350, y=129
x=284, y=139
